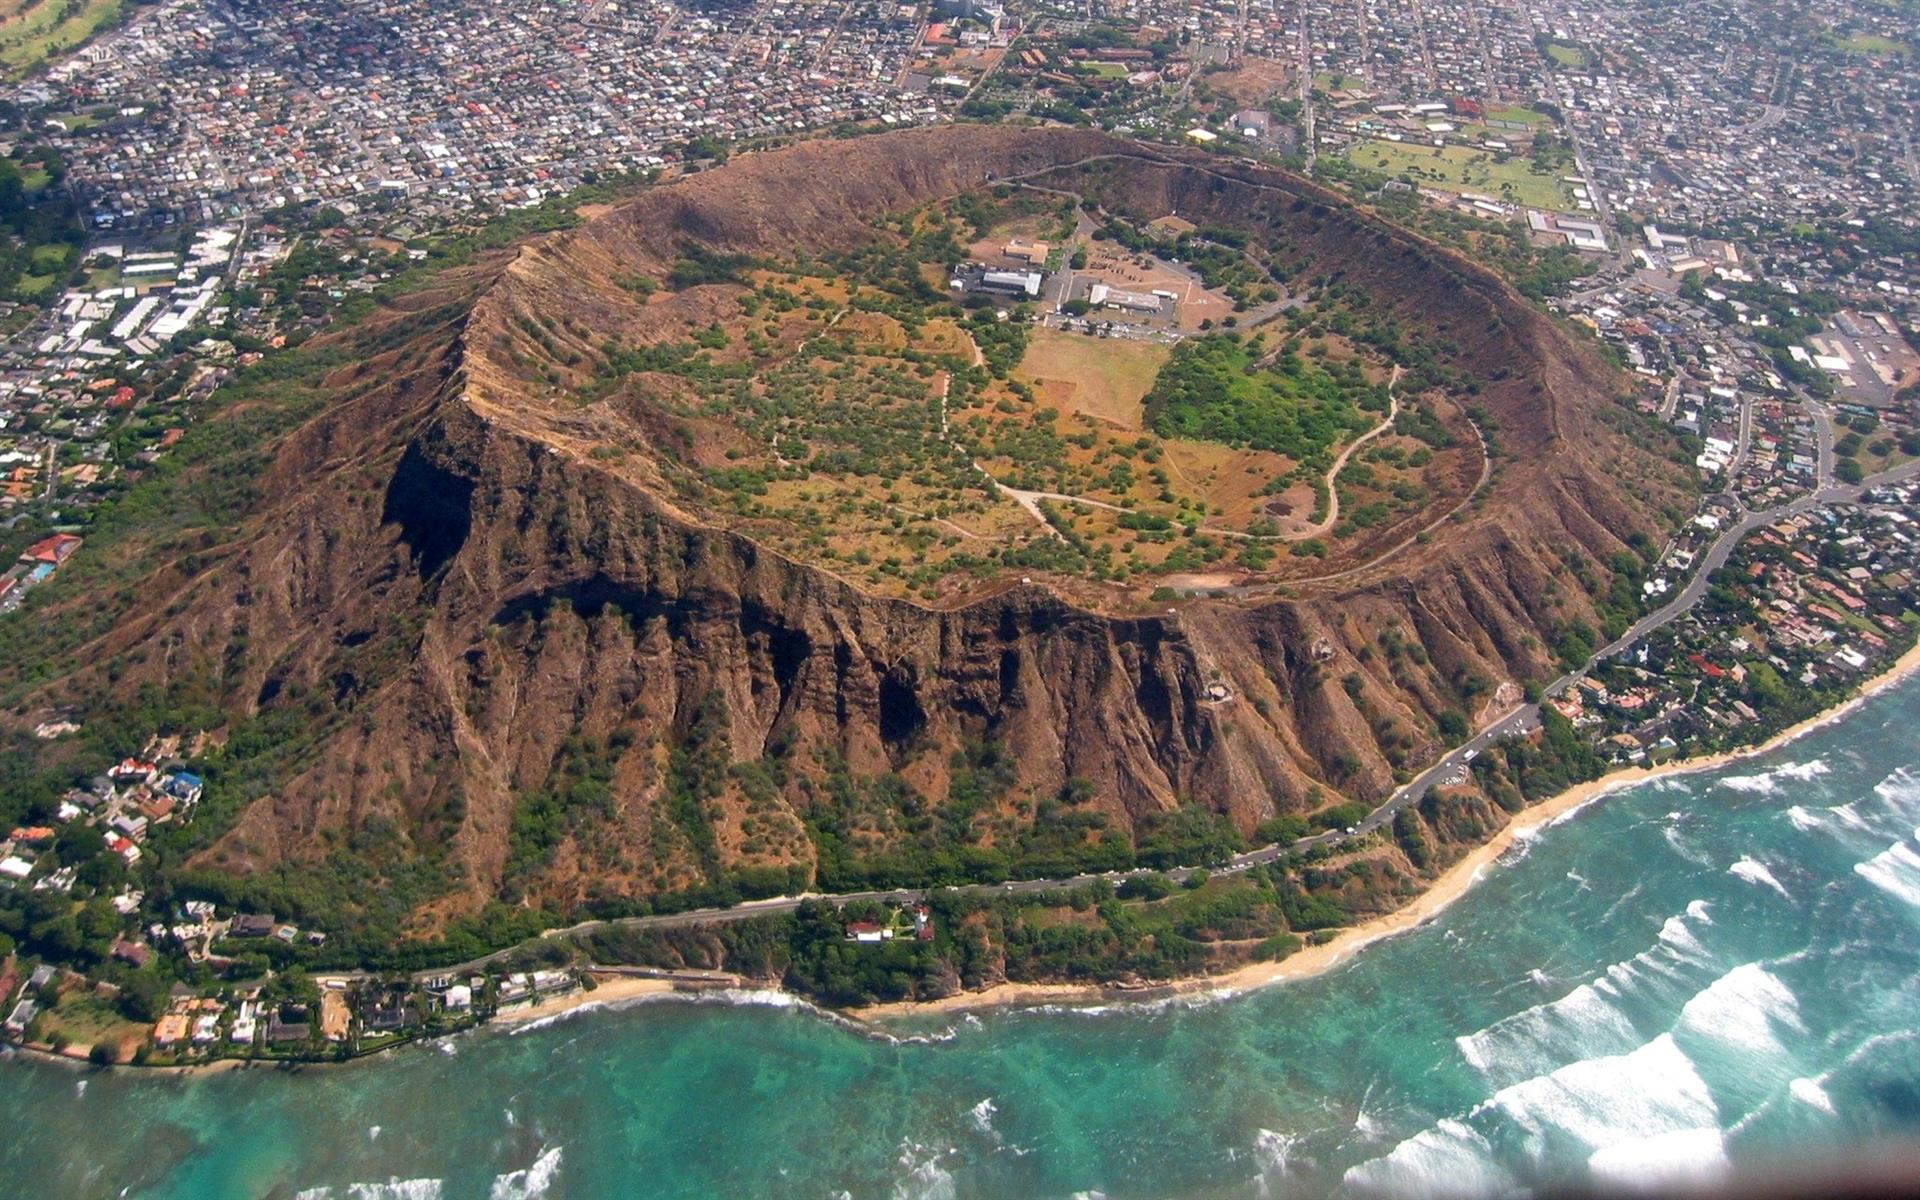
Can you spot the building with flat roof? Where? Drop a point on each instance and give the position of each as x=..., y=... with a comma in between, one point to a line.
x=1012, y=283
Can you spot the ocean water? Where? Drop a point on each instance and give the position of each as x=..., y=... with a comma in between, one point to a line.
x=1713, y=970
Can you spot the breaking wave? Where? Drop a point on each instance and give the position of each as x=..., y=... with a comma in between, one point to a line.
x=1676, y=1159
x=982, y=1116
x=1810, y=1093
x=392, y=1189
x=1449, y=1160
x=1744, y=1009
x=922, y=1177
x=1900, y=789
x=529, y=1182
x=1590, y=1019
x=1803, y=820
x=1756, y=872
x=1896, y=871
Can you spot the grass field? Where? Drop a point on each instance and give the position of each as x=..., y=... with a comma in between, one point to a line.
x=1460, y=169
x=1566, y=55
x=33, y=32
x=1515, y=114
x=1869, y=44
x=1102, y=377
x=1107, y=70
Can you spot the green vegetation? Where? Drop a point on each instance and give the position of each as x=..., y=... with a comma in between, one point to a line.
x=1869, y=45
x=36, y=31
x=1570, y=55
x=40, y=229
x=1221, y=388
x=1149, y=929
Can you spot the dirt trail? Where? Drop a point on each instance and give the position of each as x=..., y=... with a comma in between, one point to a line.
x=1339, y=464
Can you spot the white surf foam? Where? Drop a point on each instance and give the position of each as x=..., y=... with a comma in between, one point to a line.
x=1513, y=1047
x=1803, y=820
x=1768, y=782
x=1662, y=1162
x=1677, y=937
x=1745, y=1008
x=1682, y=848
x=1448, y=1160
x=1895, y=870
x=1606, y=1101
x=1756, y=872
x=1274, y=1151
x=1849, y=815
x=982, y=1114
x=1587, y=1021
x=392, y=1189
x=529, y=1182
x=922, y=1178
x=1810, y=1093
x=1801, y=772
x=1900, y=790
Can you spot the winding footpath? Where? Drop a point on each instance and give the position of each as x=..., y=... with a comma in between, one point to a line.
x=1340, y=464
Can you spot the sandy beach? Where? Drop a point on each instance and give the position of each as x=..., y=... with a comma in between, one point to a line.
x=1452, y=884
x=610, y=990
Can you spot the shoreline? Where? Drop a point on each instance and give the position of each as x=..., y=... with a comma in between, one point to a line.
x=614, y=989
x=608, y=990
x=1453, y=883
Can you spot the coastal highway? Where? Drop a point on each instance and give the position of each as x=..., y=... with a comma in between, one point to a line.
x=1520, y=720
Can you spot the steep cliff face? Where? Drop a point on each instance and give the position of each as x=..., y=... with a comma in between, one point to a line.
x=472, y=608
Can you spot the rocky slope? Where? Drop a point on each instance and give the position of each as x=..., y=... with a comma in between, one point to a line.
x=470, y=607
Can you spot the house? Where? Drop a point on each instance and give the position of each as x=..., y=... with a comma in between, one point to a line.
x=55, y=550
x=244, y=1024
x=868, y=931
x=171, y=1030
x=251, y=925
x=513, y=989
x=133, y=770
x=22, y=1016
x=136, y=953
x=288, y=1024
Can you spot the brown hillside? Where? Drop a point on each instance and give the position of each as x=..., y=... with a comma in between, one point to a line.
x=469, y=602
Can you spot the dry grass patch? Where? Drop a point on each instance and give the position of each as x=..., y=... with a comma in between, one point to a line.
x=1104, y=378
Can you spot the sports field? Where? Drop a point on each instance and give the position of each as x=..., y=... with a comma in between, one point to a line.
x=1463, y=169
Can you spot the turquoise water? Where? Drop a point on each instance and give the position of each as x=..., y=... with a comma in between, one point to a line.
x=1712, y=969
